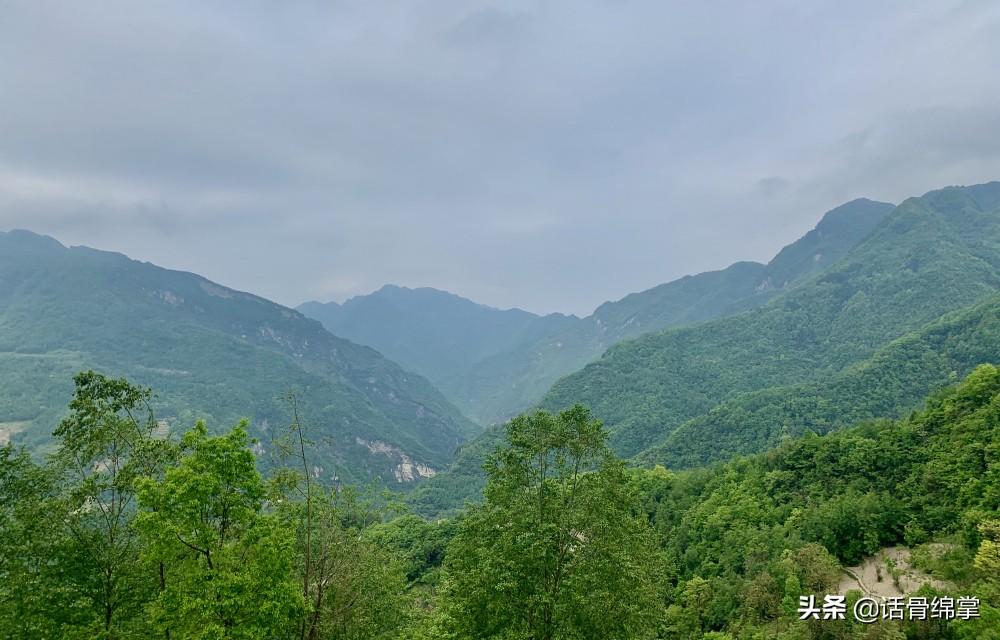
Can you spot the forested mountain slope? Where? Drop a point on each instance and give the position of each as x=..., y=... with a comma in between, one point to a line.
x=454, y=342
x=930, y=256
x=210, y=352
x=890, y=383
x=493, y=364
x=751, y=536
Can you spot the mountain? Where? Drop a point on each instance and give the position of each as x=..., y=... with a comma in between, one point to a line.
x=433, y=332
x=507, y=383
x=457, y=343
x=493, y=364
x=930, y=256
x=210, y=352
x=744, y=285
x=890, y=384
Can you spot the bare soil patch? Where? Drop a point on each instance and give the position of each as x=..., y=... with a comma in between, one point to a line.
x=887, y=574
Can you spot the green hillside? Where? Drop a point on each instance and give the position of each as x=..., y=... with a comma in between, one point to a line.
x=210, y=352
x=888, y=384
x=930, y=256
x=751, y=536
x=891, y=383
x=715, y=553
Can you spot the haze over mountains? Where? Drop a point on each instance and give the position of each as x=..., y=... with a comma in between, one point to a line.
x=858, y=319
x=493, y=364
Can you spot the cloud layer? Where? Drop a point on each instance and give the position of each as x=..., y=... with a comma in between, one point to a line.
x=548, y=154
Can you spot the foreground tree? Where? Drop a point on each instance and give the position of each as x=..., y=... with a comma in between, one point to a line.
x=353, y=589
x=357, y=589
x=104, y=445
x=40, y=582
x=229, y=567
x=560, y=548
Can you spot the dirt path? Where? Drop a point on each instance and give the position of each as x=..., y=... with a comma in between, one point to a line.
x=874, y=578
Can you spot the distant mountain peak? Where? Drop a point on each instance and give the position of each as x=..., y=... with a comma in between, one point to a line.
x=854, y=211
x=35, y=240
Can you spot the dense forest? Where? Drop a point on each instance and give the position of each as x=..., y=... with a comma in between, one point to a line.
x=125, y=532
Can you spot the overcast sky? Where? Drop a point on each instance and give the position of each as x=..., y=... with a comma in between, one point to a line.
x=548, y=155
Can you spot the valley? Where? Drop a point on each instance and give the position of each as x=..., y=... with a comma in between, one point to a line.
x=530, y=320
x=757, y=433
x=493, y=364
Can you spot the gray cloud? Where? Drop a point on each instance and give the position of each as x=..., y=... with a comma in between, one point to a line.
x=543, y=154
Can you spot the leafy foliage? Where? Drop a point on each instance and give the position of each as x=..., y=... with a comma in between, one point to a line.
x=556, y=545
x=569, y=543
x=227, y=566
x=762, y=530
x=104, y=445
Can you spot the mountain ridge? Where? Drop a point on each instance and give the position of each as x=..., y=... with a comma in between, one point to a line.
x=211, y=351
x=505, y=377
x=703, y=421
x=912, y=268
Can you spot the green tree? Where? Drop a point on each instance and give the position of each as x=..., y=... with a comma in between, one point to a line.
x=762, y=599
x=560, y=548
x=696, y=596
x=39, y=579
x=357, y=589
x=354, y=589
x=104, y=444
x=988, y=556
x=230, y=568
